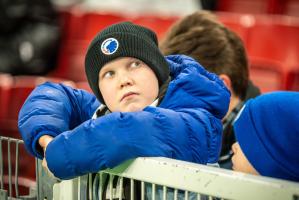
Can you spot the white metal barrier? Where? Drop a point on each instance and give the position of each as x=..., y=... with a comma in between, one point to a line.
x=148, y=178
x=10, y=181
x=163, y=178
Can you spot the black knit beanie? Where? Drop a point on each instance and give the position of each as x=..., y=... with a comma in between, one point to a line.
x=124, y=40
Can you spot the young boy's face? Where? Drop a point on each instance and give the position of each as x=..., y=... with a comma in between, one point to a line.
x=240, y=162
x=127, y=85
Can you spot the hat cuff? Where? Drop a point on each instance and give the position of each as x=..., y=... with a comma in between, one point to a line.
x=254, y=149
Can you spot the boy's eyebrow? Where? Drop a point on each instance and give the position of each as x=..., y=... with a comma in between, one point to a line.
x=103, y=71
x=134, y=60
x=127, y=64
x=130, y=61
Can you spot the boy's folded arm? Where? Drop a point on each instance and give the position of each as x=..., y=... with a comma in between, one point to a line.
x=50, y=110
x=114, y=138
x=195, y=86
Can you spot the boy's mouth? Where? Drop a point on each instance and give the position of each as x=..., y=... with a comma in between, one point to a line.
x=128, y=94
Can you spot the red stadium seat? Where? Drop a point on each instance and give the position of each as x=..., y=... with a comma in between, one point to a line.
x=293, y=80
x=71, y=61
x=273, y=45
x=243, y=6
x=291, y=8
x=95, y=22
x=71, y=54
x=84, y=86
x=275, y=38
x=81, y=28
x=72, y=22
x=251, y=6
x=158, y=24
x=6, y=83
x=267, y=74
x=239, y=23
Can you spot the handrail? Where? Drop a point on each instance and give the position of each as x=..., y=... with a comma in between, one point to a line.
x=184, y=180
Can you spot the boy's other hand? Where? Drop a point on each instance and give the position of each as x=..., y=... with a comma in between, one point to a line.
x=45, y=166
x=44, y=141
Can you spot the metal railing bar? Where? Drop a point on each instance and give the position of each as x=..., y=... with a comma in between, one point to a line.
x=9, y=167
x=17, y=169
x=1, y=165
x=164, y=192
x=142, y=190
x=153, y=191
x=132, y=192
x=121, y=188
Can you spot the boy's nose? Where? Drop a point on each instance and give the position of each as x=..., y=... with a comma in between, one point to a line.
x=125, y=81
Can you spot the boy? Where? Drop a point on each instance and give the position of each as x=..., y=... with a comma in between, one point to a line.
x=267, y=136
x=129, y=76
x=201, y=36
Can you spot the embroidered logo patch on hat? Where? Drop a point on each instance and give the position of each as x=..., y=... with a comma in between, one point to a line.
x=109, y=46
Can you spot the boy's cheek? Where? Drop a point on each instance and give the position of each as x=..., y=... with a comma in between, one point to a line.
x=239, y=161
x=241, y=164
x=234, y=162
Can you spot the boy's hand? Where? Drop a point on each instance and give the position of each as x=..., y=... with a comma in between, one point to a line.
x=43, y=142
x=45, y=166
x=188, y=75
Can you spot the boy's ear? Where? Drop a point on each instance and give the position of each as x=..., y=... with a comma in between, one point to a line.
x=227, y=82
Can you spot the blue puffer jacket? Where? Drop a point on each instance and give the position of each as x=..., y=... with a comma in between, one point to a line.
x=186, y=125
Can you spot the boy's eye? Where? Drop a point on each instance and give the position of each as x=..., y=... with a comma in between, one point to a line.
x=108, y=74
x=136, y=64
